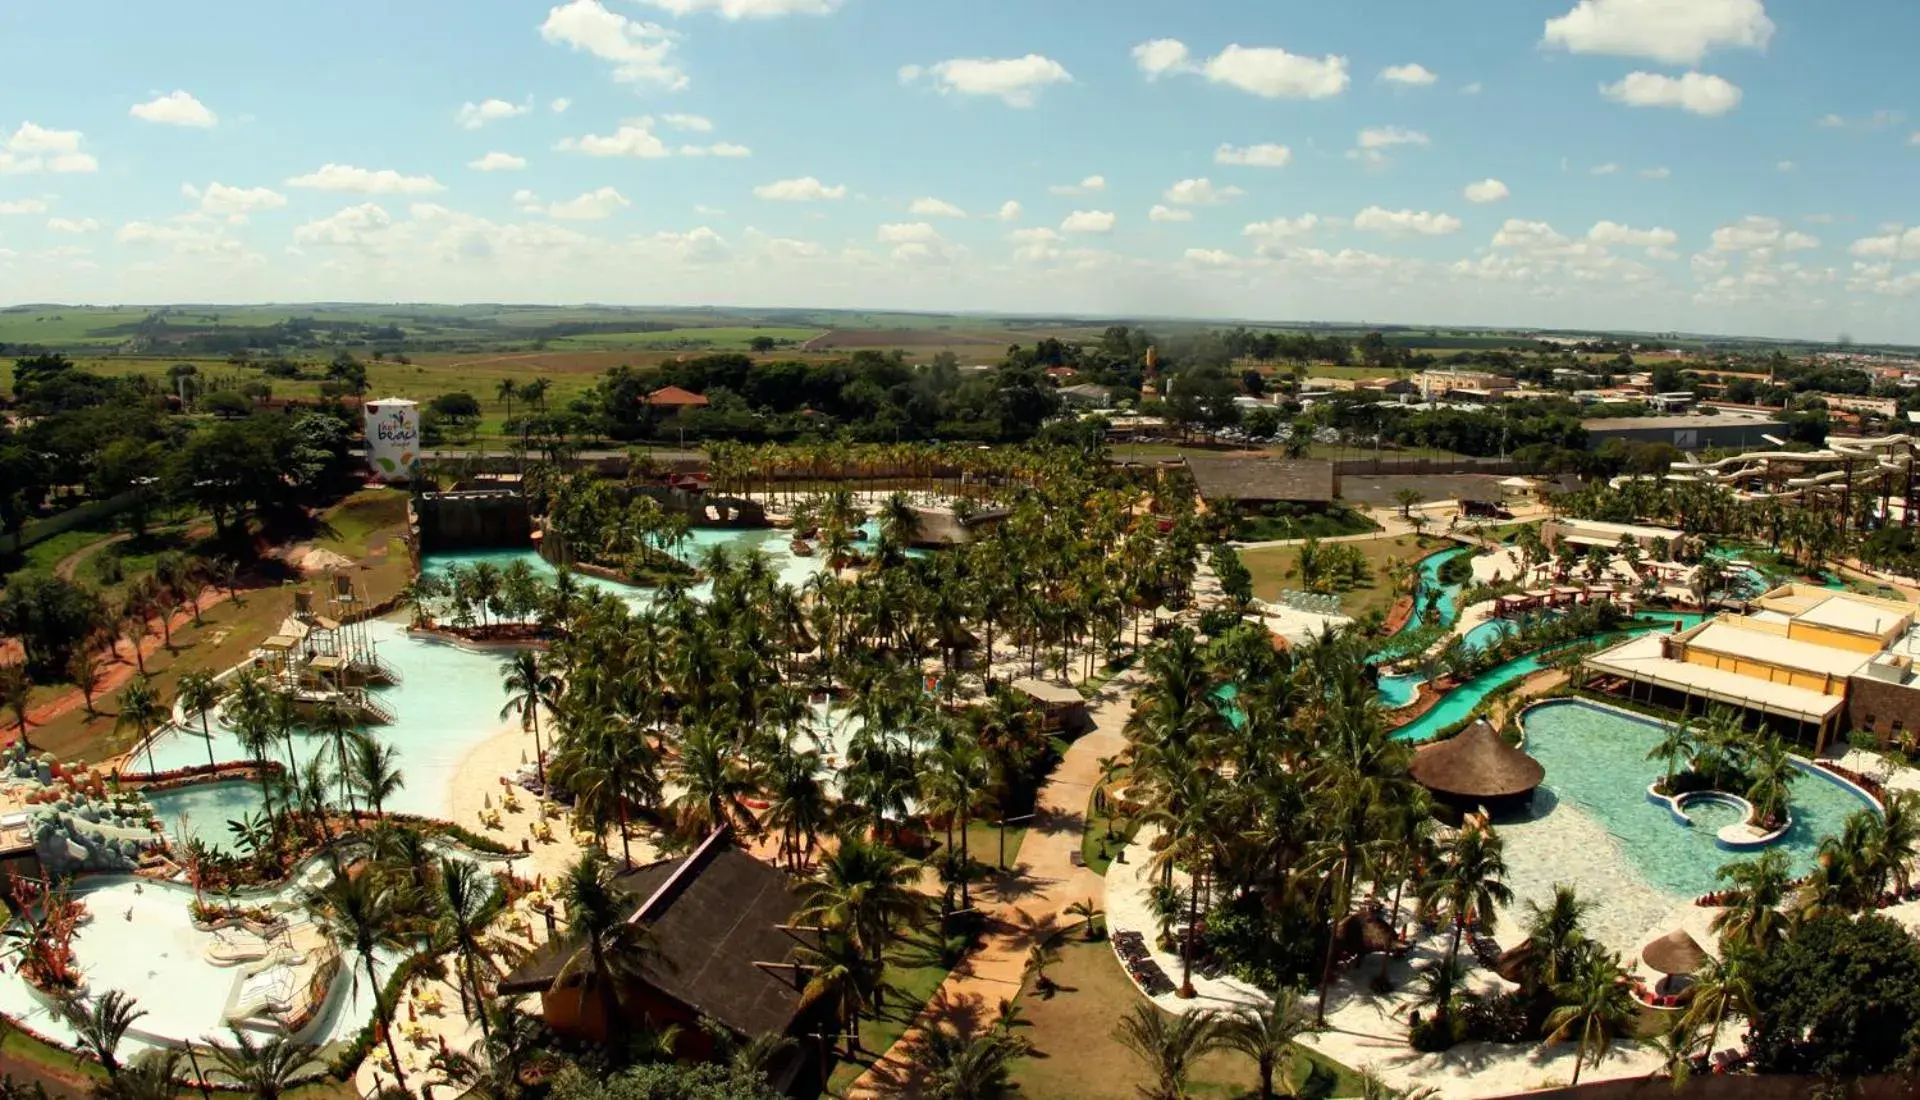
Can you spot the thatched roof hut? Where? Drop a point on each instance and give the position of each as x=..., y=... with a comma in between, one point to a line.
x=1477, y=767
x=1674, y=953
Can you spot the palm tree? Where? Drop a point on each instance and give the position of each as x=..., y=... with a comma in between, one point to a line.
x=1678, y=1046
x=16, y=693
x=609, y=769
x=1677, y=743
x=842, y=974
x=1752, y=916
x=198, y=694
x=530, y=685
x=338, y=723
x=797, y=802
x=1554, y=932
x=1169, y=1046
x=83, y=668
x=361, y=913
x=462, y=901
x=863, y=890
x=265, y=1067
x=1721, y=987
x=1267, y=1036
x=1468, y=886
x=1895, y=840
x=98, y=1027
x=1042, y=956
x=151, y=1077
x=714, y=785
x=612, y=950
x=140, y=711
x=1595, y=1006
x=1089, y=915
x=376, y=774
x=958, y=1068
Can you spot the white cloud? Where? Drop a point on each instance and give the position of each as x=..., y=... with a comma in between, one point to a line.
x=1474, y=88
x=930, y=207
x=347, y=228
x=1698, y=93
x=34, y=148
x=1168, y=214
x=1089, y=186
x=1009, y=212
x=1656, y=173
x=1089, y=221
x=1657, y=241
x=804, y=189
x=747, y=9
x=176, y=108
x=1015, y=81
x=1785, y=166
x=233, y=203
x=1274, y=73
x=601, y=203
x=1162, y=56
x=345, y=177
x=1678, y=32
x=1402, y=223
x=1486, y=191
x=908, y=233
x=1253, y=156
x=472, y=116
x=1411, y=75
x=1036, y=245
x=559, y=105
x=692, y=123
x=70, y=225
x=717, y=149
x=14, y=207
x=1200, y=192
x=1755, y=233
x=1214, y=257
x=1893, y=244
x=1384, y=137
x=498, y=162
x=634, y=138
x=1280, y=229
x=1830, y=122
x=641, y=52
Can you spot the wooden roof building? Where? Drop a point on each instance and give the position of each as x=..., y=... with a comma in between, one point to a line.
x=673, y=397
x=1477, y=768
x=1264, y=480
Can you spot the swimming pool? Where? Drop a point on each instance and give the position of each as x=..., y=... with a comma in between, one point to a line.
x=201, y=811
x=1596, y=760
x=1399, y=691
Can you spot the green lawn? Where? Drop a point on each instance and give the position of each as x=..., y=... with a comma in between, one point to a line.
x=1302, y=523
x=914, y=971
x=1271, y=568
x=1095, y=847
x=356, y=520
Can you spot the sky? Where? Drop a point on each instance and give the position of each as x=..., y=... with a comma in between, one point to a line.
x=1732, y=166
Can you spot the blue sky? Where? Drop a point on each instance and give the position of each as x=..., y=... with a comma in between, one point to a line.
x=1705, y=165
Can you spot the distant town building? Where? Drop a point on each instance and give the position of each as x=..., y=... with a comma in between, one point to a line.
x=1723, y=431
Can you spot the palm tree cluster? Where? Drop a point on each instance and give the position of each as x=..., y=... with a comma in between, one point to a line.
x=1719, y=754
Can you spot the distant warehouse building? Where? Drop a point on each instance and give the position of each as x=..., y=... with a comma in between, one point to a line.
x=1721, y=431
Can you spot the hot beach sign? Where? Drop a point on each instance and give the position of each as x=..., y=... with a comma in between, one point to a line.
x=393, y=438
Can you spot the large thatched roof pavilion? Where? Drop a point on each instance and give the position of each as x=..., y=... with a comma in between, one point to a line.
x=1477, y=768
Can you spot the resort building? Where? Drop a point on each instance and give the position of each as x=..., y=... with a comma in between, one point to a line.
x=1725, y=431
x=1654, y=542
x=1804, y=658
x=721, y=923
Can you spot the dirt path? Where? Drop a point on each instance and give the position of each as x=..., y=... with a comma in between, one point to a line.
x=65, y=566
x=1024, y=906
x=117, y=665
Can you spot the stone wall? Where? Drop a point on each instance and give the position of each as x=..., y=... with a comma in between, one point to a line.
x=1886, y=711
x=479, y=520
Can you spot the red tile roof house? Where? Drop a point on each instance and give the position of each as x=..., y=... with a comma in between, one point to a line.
x=673, y=397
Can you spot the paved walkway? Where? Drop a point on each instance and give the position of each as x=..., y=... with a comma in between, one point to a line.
x=1023, y=906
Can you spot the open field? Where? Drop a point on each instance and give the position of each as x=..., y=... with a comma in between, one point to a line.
x=1077, y=1057
x=1272, y=569
x=721, y=338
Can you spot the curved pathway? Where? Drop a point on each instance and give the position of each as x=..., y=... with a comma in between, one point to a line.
x=1024, y=905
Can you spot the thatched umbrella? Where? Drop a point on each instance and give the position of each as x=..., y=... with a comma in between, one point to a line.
x=1674, y=953
x=1477, y=767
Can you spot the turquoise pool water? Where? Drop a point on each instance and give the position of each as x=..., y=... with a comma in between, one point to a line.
x=1459, y=702
x=1490, y=633
x=203, y=810
x=1398, y=691
x=1445, y=596
x=1596, y=759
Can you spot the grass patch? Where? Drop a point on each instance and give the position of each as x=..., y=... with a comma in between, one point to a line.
x=736, y=337
x=1075, y=1053
x=357, y=520
x=914, y=971
x=1095, y=846
x=1271, y=568
x=1284, y=521
x=983, y=843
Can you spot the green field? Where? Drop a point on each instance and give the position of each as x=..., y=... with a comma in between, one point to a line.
x=720, y=337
